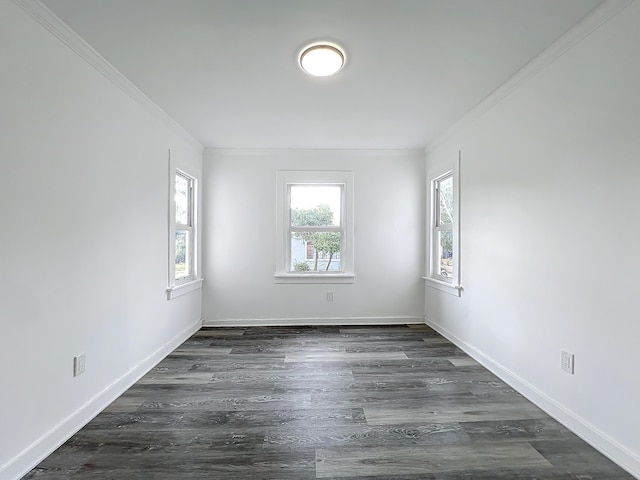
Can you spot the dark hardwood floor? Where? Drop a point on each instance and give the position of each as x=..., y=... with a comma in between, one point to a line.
x=396, y=402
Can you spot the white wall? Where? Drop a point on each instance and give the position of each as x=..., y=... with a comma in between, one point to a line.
x=83, y=195
x=240, y=211
x=550, y=231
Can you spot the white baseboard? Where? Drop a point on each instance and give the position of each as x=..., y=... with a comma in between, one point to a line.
x=50, y=441
x=602, y=442
x=312, y=321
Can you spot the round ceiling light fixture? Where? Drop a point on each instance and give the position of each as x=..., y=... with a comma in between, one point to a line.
x=321, y=59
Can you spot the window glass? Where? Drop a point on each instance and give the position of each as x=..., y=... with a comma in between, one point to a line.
x=182, y=263
x=182, y=200
x=445, y=193
x=315, y=205
x=315, y=251
x=445, y=253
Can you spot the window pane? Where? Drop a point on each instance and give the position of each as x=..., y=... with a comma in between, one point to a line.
x=182, y=200
x=445, y=191
x=315, y=252
x=183, y=254
x=315, y=205
x=445, y=254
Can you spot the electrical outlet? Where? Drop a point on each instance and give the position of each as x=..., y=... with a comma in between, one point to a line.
x=329, y=296
x=566, y=362
x=79, y=364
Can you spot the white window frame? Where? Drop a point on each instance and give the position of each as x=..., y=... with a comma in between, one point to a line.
x=287, y=178
x=433, y=278
x=437, y=227
x=180, y=286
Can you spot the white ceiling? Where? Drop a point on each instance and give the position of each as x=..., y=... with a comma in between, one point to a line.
x=226, y=69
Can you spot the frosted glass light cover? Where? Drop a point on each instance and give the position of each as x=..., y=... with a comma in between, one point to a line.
x=321, y=60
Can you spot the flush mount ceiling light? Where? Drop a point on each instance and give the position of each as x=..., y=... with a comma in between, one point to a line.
x=321, y=59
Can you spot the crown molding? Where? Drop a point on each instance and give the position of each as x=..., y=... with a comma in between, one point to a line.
x=594, y=20
x=374, y=152
x=41, y=13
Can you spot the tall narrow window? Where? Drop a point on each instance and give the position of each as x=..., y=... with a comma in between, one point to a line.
x=315, y=227
x=444, y=231
x=443, y=228
x=184, y=229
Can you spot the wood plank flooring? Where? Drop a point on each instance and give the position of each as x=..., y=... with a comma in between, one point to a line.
x=396, y=402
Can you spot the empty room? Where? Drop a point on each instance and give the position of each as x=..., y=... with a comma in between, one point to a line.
x=291, y=239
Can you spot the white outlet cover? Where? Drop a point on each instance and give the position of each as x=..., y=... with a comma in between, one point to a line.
x=79, y=364
x=567, y=362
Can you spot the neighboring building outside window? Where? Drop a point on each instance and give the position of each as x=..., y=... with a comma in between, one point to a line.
x=310, y=251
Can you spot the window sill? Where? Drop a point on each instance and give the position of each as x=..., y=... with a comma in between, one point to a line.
x=313, y=278
x=183, y=289
x=449, y=288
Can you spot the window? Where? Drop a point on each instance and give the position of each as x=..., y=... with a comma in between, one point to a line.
x=184, y=231
x=443, y=227
x=444, y=232
x=315, y=225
